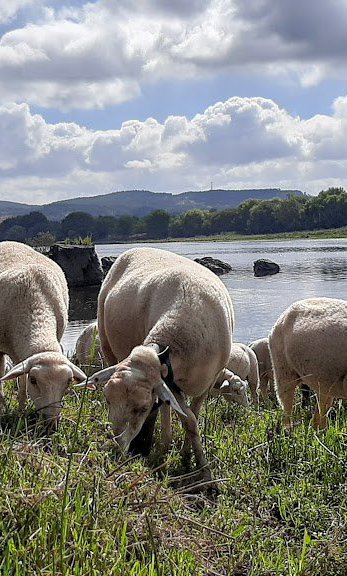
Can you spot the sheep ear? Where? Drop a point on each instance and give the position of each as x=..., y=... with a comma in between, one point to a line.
x=163, y=356
x=18, y=370
x=165, y=394
x=97, y=379
x=78, y=374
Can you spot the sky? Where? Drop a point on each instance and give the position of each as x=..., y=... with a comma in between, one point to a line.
x=171, y=95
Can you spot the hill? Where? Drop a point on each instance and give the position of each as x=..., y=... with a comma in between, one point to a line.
x=142, y=202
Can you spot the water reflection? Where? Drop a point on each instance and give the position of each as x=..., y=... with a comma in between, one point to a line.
x=83, y=303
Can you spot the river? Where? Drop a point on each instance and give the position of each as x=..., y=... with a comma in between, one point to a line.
x=308, y=268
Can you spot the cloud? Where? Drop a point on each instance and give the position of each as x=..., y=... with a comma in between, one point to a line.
x=242, y=142
x=10, y=8
x=101, y=53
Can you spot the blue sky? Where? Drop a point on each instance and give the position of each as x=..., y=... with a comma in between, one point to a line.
x=170, y=95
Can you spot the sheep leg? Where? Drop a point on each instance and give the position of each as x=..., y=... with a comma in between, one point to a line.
x=166, y=430
x=263, y=386
x=22, y=391
x=2, y=372
x=190, y=425
x=254, y=383
x=286, y=383
x=306, y=394
x=320, y=419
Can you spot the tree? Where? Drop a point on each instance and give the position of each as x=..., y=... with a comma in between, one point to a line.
x=16, y=233
x=105, y=227
x=261, y=218
x=77, y=224
x=192, y=223
x=157, y=224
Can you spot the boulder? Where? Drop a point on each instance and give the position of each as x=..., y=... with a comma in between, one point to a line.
x=80, y=264
x=217, y=266
x=107, y=262
x=265, y=267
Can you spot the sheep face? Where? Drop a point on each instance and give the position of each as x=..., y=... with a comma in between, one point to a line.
x=47, y=385
x=48, y=376
x=129, y=406
x=135, y=385
x=131, y=392
x=235, y=390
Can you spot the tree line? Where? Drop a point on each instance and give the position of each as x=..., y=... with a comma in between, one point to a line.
x=327, y=210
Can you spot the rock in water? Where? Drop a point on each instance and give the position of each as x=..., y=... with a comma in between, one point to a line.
x=80, y=264
x=217, y=266
x=265, y=267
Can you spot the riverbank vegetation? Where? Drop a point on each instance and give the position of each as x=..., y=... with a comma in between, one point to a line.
x=68, y=506
x=296, y=214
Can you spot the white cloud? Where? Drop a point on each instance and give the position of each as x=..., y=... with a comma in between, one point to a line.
x=10, y=8
x=242, y=142
x=101, y=53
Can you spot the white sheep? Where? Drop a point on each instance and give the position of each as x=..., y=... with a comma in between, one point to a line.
x=262, y=351
x=88, y=348
x=33, y=312
x=152, y=299
x=308, y=344
x=244, y=363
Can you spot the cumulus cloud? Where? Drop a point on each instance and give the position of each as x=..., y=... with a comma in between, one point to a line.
x=101, y=53
x=10, y=8
x=242, y=142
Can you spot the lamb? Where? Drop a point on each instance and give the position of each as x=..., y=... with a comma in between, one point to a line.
x=88, y=348
x=262, y=352
x=33, y=311
x=165, y=326
x=308, y=344
x=243, y=365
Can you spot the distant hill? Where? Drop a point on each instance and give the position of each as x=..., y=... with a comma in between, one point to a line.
x=142, y=202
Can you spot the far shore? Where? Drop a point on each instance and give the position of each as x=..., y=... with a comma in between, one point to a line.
x=328, y=234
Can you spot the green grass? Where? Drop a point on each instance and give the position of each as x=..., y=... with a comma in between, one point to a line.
x=233, y=237
x=68, y=506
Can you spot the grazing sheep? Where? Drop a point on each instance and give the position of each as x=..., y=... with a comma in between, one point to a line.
x=243, y=362
x=88, y=348
x=153, y=299
x=232, y=388
x=262, y=352
x=308, y=344
x=33, y=311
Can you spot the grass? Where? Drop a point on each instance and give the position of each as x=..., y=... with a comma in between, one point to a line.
x=68, y=506
x=302, y=235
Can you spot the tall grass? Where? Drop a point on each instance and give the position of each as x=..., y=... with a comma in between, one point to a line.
x=69, y=506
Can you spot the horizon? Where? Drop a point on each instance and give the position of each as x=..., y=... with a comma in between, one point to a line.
x=170, y=96
x=156, y=192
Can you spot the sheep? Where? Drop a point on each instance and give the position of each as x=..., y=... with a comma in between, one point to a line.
x=308, y=344
x=152, y=300
x=261, y=349
x=231, y=387
x=243, y=362
x=88, y=348
x=33, y=311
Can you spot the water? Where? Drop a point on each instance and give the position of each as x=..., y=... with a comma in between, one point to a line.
x=308, y=268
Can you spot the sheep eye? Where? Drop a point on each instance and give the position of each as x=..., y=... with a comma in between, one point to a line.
x=33, y=381
x=140, y=410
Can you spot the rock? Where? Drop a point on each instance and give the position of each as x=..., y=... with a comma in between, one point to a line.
x=215, y=265
x=265, y=267
x=80, y=264
x=107, y=262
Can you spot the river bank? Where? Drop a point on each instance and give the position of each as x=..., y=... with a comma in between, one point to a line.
x=323, y=234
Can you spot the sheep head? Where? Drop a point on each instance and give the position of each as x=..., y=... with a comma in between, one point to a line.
x=133, y=386
x=48, y=376
x=235, y=390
